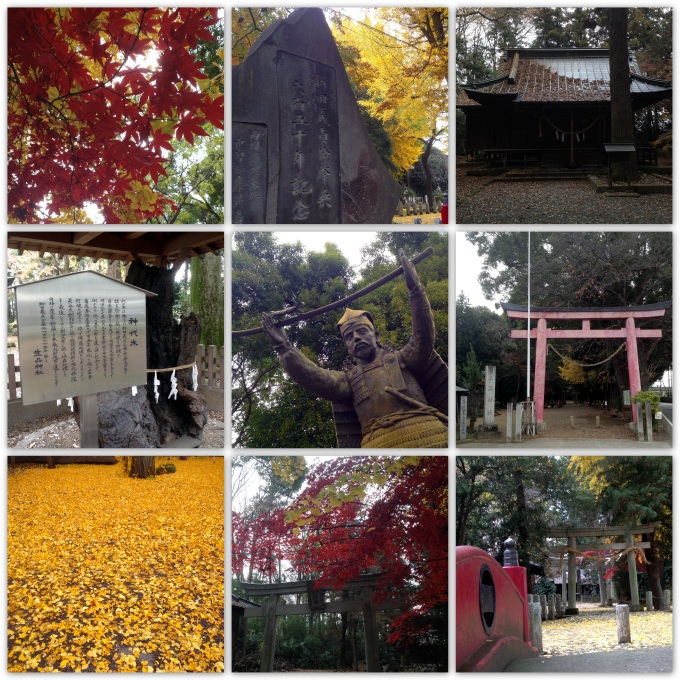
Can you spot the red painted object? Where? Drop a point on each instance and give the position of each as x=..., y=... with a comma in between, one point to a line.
x=542, y=334
x=489, y=634
x=445, y=210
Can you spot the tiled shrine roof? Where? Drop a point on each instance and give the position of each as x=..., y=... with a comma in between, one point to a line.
x=559, y=75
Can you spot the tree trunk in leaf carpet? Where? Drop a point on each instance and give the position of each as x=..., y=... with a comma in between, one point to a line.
x=143, y=467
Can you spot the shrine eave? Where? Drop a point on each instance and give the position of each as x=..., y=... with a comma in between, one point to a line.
x=83, y=273
x=491, y=98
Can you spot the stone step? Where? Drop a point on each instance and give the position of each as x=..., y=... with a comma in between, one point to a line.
x=183, y=442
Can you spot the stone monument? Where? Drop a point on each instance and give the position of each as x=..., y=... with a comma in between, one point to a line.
x=489, y=424
x=300, y=151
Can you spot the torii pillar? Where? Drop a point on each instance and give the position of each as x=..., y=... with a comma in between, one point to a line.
x=631, y=333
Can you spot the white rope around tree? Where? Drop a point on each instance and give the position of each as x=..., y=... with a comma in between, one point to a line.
x=599, y=363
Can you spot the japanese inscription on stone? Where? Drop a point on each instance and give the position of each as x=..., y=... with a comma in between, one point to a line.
x=249, y=173
x=80, y=334
x=309, y=178
x=489, y=395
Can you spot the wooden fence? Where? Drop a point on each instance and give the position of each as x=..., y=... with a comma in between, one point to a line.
x=210, y=370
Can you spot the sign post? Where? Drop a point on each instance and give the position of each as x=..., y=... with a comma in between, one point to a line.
x=80, y=334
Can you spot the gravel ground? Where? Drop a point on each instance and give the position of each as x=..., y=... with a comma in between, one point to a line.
x=558, y=202
x=62, y=432
x=558, y=421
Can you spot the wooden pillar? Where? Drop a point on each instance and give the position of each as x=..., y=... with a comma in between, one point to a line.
x=269, y=643
x=633, y=361
x=632, y=575
x=539, y=373
x=370, y=632
x=571, y=602
x=602, y=583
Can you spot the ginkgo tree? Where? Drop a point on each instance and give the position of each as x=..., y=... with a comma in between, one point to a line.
x=401, y=68
x=96, y=99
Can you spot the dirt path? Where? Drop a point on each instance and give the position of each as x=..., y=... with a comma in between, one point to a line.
x=558, y=422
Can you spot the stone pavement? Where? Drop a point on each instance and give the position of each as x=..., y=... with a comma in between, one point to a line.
x=648, y=660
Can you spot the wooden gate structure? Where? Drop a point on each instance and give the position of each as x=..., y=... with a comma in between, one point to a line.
x=631, y=333
x=317, y=604
x=597, y=534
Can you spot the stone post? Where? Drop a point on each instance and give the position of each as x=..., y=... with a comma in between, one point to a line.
x=518, y=422
x=666, y=600
x=544, y=607
x=538, y=630
x=648, y=420
x=632, y=575
x=462, y=419
x=571, y=420
x=530, y=611
x=622, y=623
x=649, y=602
x=597, y=421
x=559, y=612
x=637, y=412
x=551, y=606
x=508, y=425
x=489, y=397
x=571, y=591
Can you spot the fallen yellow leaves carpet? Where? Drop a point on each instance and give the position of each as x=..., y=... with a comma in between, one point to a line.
x=594, y=630
x=107, y=573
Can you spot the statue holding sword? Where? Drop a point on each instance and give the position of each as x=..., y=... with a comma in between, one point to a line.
x=386, y=389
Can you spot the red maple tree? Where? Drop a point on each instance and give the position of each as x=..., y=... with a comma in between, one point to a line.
x=382, y=515
x=95, y=97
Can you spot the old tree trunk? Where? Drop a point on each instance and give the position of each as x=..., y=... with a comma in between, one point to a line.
x=623, y=128
x=127, y=421
x=170, y=344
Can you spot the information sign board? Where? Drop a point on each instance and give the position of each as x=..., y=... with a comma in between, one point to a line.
x=80, y=334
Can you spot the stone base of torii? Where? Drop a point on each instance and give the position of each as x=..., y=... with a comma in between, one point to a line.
x=631, y=333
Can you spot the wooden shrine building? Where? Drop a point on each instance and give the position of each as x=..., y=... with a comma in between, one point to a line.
x=549, y=106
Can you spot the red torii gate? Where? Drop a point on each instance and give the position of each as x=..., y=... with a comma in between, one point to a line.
x=542, y=333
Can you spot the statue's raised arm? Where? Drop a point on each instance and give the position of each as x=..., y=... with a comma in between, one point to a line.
x=417, y=351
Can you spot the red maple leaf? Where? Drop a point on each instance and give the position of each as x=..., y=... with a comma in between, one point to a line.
x=81, y=102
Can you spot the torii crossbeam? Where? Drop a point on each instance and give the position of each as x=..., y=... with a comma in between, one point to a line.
x=631, y=333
